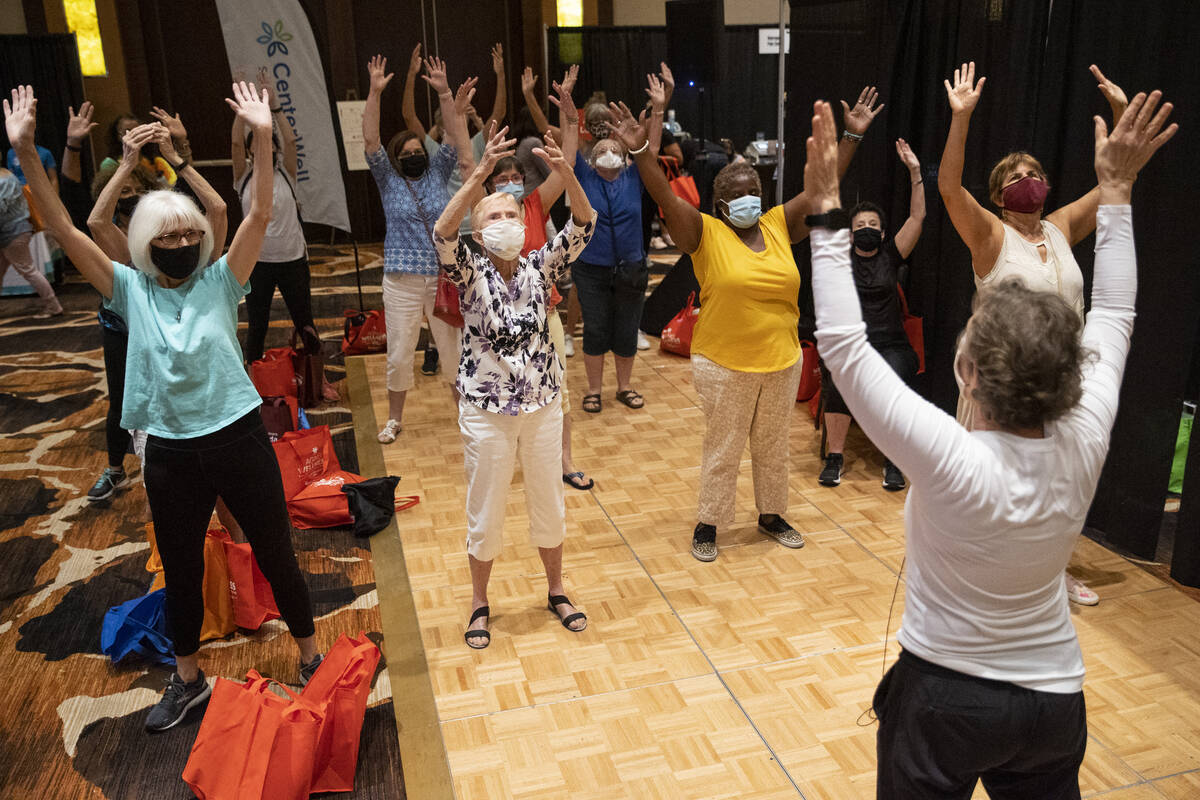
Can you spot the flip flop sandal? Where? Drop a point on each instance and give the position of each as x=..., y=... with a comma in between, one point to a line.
x=591, y=403
x=630, y=398
x=558, y=599
x=574, y=478
x=482, y=611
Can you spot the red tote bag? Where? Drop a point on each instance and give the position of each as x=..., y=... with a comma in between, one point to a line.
x=273, y=374
x=810, y=371
x=338, y=691
x=365, y=332
x=253, y=601
x=914, y=329
x=323, y=504
x=683, y=186
x=677, y=335
x=254, y=744
x=304, y=457
x=445, y=305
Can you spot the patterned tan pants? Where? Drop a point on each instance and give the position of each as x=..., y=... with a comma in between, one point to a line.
x=740, y=406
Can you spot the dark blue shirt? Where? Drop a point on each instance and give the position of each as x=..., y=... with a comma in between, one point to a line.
x=618, y=204
x=14, y=163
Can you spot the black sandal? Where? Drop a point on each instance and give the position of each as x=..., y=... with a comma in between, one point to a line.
x=630, y=398
x=557, y=599
x=591, y=403
x=482, y=611
x=575, y=480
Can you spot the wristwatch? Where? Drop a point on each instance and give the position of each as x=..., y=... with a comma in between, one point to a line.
x=833, y=219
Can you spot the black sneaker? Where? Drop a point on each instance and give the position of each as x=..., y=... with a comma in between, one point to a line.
x=832, y=474
x=112, y=479
x=704, y=542
x=309, y=669
x=893, y=478
x=430, y=365
x=176, y=701
x=778, y=529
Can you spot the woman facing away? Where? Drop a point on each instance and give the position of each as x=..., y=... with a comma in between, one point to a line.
x=989, y=682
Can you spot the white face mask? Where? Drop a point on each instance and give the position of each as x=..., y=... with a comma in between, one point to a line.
x=609, y=160
x=504, y=238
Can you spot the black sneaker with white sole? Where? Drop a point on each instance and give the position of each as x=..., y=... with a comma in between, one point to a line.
x=893, y=478
x=832, y=474
x=112, y=479
x=429, y=365
x=176, y=701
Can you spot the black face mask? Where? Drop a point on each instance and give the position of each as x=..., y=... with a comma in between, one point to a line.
x=126, y=205
x=868, y=239
x=414, y=165
x=176, y=262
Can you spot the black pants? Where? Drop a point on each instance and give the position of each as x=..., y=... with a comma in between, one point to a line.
x=940, y=731
x=611, y=299
x=117, y=439
x=183, y=479
x=292, y=278
x=899, y=356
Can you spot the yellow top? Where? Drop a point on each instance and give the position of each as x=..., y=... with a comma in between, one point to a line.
x=748, y=310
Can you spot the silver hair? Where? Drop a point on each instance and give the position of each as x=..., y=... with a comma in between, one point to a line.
x=161, y=212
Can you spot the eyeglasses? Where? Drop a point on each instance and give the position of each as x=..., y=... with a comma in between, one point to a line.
x=180, y=239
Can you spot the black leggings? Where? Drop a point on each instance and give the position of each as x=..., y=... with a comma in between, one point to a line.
x=183, y=479
x=292, y=278
x=117, y=438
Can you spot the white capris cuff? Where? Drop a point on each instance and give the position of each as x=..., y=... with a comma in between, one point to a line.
x=406, y=300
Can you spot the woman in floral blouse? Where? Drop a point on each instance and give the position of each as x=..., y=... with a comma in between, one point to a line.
x=509, y=374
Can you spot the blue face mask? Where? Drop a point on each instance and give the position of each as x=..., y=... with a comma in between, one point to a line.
x=744, y=211
x=517, y=190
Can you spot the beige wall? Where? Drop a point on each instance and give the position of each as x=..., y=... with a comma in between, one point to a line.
x=12, y=17
x=737, y=12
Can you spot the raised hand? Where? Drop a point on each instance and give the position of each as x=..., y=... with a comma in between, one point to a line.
x=1121, y=154
x=964, y=93
x=498, y=58
x=20, y=116
x=627, y=130
x=820, y=170
x=414, y=61
x=174, y=125
x=497, y=147
x=552, y=154
x=564, y=101
x=79, y=126
x=859, y=118
x=264, y=80
x=568, y=81
x=251, y=107
x=136, y=138
x=435, y=74
x=907, y=156
x=163, y=138
x=380, y=77
x=667, y=77
x=1114, y=94
x=528, y=81
x=657, y=92
x=462, y=98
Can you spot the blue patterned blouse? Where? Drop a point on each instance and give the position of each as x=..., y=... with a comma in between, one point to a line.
x=411, y=209
x=508, y=364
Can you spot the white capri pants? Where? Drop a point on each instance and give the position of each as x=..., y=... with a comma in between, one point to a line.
x=492, y=443
x=406, y=300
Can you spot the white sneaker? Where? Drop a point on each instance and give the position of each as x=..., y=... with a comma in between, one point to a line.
x=569, y=346
x=388, y=434
x=658, y=243
x=1077, y=592
x=643, y=342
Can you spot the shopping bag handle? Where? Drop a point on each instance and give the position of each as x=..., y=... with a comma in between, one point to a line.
x=406, y=502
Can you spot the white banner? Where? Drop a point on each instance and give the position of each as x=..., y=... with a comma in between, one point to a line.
x=275, y=34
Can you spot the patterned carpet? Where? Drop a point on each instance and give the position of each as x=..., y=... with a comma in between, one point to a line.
x=71, y=722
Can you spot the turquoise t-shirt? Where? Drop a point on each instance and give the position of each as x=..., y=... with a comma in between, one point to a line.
x=183, y=374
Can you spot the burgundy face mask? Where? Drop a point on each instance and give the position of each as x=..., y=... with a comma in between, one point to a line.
x=1026, y=195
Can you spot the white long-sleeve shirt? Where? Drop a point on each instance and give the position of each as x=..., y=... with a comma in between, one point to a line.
x=991, y=518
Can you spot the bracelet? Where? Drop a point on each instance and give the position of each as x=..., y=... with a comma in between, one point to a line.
x=74, y=148
x=854, y=137
x=919, y=180
x=645, y=146
x=276, y=110
x=572, y=120
x=657, y=113
x=181, y=166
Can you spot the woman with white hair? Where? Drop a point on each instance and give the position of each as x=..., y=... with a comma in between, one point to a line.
x=510, y=374
x=186, y=387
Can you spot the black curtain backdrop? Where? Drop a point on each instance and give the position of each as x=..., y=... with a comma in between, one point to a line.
x=1039, y=97
x=616, y=61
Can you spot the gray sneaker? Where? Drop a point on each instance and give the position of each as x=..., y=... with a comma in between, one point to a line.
x=309, y=669
x=176, y=701
x=112, y=479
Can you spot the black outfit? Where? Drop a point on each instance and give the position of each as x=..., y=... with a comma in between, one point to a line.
x=940, y=731
x=114, y=336
x=183, y=479
x=293, y=281
x=875, y=279
x=611, y=299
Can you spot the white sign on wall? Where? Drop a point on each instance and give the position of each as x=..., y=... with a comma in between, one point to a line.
x=768, y=41
x=350, y=114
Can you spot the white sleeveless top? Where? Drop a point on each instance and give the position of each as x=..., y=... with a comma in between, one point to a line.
x=1020, y=258
x=285, y=238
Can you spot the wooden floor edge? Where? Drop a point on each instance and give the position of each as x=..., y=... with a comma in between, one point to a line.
x=422, y=750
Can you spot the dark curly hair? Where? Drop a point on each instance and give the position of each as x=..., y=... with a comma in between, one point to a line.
x=868, y=206
x=723, y=183
x=1025, y=348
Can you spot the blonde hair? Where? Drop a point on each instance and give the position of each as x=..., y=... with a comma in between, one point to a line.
x=161, y=212
x=1005, y=166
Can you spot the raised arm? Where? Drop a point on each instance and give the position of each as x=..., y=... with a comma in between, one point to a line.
x=910, y=231
x=684, y=221
x=20, y=122
x=500, y=106
x=657, y=91
x=287, y=139
x=528, y=82
x=214, y=206
x=454, y=120
x=237, y=150
x=105, y=232
x=79, y=128
x=568, y=123
x=856, y=121
x=981, y=231
x=380, y=78
x=456, y=210
x=408, y=106
x=247, y=242
x=1077, y=220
